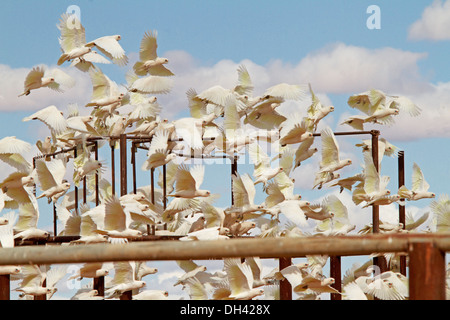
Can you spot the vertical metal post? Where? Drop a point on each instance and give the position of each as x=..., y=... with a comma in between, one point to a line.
x=75, y=155
x=233, y=173
x=55, y=219
x=152, y=183
x=164, y=187
x=133, y=165
x=113, y=171
x=426, y=271
x=97, y=195
x=402, y=209
x=5, y=287
x=335, y=273
x=99, y=285
x=378, y=261
x=127, y=295
x=123, y=164
x=84, y=190
x=34, y=167
x=285, y=286
x=375, y=157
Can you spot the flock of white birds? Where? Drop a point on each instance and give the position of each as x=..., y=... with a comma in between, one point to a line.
x=223, y=121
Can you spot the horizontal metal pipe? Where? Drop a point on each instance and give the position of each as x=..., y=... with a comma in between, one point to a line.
x=215, y=249
x=349, y=133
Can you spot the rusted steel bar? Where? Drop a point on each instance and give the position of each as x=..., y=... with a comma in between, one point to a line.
x=133, y=165
x=123, y=188
x=375, y=157
x=113, y=171
x=402, y=209
x=335, y=273
x=75, y=155
x=426, y=271
x=123, y=164
x=97, y=193
x=345, y=133
x=234, y=172
x=152, y=183
x=202, y=156
x=5, y=287
x=34, y=186
x=84, y=190
x=164, y=187
x=55, y=153
x=285, y=286
x=66, y=239
x=99, y=285
x=378, y=261
x=55, y=220
x=216, y=249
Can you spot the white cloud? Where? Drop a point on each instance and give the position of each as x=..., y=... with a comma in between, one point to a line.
x=342, y=68
x=433, y=24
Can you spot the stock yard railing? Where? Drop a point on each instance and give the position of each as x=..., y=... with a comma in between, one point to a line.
x=426, y=251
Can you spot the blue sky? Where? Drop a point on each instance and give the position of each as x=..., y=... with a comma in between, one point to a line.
x=323, y=42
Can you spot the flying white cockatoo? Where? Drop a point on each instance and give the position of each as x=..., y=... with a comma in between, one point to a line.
x=55, y=79
x=331, y=160
x=419, y=188
x=149, y=62
x=74, y=45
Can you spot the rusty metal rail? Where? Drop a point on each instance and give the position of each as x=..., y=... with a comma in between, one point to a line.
x=219, y=249
x=426, y=252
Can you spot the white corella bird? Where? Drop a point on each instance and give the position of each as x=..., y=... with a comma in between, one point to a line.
x=188, y=182
x=304, y=151
x=151, y=295
x=294, y=130
x=52, y=117
x=73, y=42
x=339, y=223
x=240, y=279
x=316, y=111
x=55, y=79
x=84, y=166
x=263, y=172
x=12, y=146
x=148, y=84
x=90, y=270
x=191, y=270
x=374, y=186
x=117, y=222
x=243, y=195
x=105, y=91
x=124, y=280
x=158, y=153
x=27, y=223
x=419, y=188
x=149, y=62
x=331, y=160
x=441, y=212
x=90, y=223
x=32, y=282
x=51, y=178
x=380, y=107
